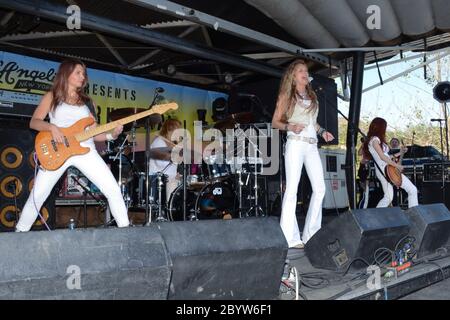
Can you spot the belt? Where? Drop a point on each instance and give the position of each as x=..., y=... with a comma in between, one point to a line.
x=301, y=138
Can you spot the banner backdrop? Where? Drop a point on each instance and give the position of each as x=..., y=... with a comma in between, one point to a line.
x=23, y=80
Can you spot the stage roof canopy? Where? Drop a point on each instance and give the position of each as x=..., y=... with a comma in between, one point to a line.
x=214, y=44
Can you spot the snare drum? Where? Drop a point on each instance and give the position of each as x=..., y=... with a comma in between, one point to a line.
x=216, y=168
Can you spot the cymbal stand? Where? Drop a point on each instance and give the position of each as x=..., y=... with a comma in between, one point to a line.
x=256, y=207
x=236, y=152
x=126, y=197
x=160, y=177
x=148, y=208
x=133, y=142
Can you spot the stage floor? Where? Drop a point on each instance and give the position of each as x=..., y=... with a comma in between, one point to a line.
x=353, y=286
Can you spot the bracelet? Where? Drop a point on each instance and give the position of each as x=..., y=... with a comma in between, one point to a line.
x=321, y=131
x=109, y=137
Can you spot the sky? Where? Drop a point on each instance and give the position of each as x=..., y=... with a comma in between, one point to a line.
x=395, y=100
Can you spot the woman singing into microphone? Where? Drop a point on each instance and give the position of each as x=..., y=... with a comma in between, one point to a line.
x=296, y=112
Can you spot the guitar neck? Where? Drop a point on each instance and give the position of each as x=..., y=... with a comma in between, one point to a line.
x=110, y=126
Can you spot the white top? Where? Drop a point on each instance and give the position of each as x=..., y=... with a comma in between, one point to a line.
x=160, y=165
x=374, y=153
x=65, y=115
x=304, y=116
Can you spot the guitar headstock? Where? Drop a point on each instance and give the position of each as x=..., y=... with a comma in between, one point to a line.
x=162, y=108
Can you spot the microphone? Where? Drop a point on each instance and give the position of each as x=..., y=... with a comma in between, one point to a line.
x=159, y=90
x=437, y=120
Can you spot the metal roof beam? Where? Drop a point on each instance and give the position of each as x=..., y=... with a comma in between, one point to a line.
x=401, y=74
x=218, y=24
x=210, y=44
x=111, y=49
x=43, y=35
x=171, y=24
x=6, y=17
x=122, y=30
x=147, y=56
x=56, y=53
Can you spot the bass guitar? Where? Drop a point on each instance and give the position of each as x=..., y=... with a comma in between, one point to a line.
x=53, y=155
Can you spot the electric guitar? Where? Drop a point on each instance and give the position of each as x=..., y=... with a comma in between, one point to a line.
x=393, y=173
x=53, y=155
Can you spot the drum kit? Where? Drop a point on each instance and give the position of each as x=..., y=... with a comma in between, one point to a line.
x=214, y=188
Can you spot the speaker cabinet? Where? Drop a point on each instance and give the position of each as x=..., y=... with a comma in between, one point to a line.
x=17, y=167
x=430, y=226
x=225, y=259
x=356, y=234
x=93, y=263
x=435, y=192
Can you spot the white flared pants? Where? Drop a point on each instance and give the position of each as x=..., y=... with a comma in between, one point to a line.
x=95, y=169
x=297, y=154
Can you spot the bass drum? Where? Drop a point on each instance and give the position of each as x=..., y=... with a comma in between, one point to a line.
x=214, y=201
x=175, y=205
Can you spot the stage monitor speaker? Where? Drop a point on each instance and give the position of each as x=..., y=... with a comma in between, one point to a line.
x=433, y=192
x=356, y=234
x=225, y=259
x=17, y=174
x=112, y=263
x=430, y=226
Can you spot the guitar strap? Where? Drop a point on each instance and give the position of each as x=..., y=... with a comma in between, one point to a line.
x=387, y=179
x=90, y=105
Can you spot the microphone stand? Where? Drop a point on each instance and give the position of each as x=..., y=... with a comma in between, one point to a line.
x=446, y=127
x=86, y=191
x=413, y=153
x=442, y=162
x=353, y=150
x=14, y=189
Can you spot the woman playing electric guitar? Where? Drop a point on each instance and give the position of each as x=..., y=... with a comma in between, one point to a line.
x=386, y=170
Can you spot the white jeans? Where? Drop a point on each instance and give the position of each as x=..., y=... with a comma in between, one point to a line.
x=388, y=190
x=299, y=153
x=95, y=169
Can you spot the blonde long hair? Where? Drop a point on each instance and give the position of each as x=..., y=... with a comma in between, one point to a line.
x=287, y=97
x=169, y=125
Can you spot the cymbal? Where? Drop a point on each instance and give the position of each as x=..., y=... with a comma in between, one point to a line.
x=232, y=120
x=163, y=153
x=160, y=153
x=125, y=112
